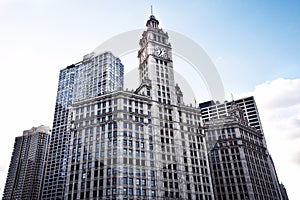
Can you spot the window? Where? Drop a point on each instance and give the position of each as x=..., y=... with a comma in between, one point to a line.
x=152, y=193
x=143, y=182
x=130, y=181
x=138, y=192
x=130, y=152
x=152, y=183
x=151, y=146
x=130, y=191
x=152, y=173
x=151, y=155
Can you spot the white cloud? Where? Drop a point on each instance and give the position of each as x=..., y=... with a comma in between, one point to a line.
x=278, y=103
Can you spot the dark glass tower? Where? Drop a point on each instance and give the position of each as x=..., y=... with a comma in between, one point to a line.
x=26, y=170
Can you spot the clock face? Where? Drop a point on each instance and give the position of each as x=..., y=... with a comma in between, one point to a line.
x=162, y=52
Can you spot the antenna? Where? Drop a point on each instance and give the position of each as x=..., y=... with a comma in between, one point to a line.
x=232, y=97
x=151, y=10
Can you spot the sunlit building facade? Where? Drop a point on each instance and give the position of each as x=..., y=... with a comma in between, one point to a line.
x=97, y=75
x=93, y=76
x=144, y=144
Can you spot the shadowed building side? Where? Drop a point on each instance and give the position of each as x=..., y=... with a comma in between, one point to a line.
x=26, y=170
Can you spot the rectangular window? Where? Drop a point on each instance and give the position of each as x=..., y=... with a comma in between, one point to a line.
x=152, y=183
x=130, y=192
x=138, y=192
x=130, y=181
x=152, y=193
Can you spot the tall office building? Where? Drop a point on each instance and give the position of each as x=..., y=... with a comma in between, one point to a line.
x=94, y=75
x=240, y=163
x=26, y=170
x=55, y=173
x=140, y=145
x=97, y=75
x=215, y=110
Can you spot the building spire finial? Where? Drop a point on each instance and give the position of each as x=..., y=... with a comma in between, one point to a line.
x=152, y=22
x=151, y=10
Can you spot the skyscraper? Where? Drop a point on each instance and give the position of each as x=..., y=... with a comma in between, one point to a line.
x=215, y=110
x=55, y=173
x=240, y=163
x=94, y=75
x=108, y=143
x=97, y=75
x=140, y=145
x=26, y=170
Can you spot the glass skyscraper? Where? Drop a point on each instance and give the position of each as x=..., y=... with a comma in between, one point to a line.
x=55, y=172
x=97, y=75
x=93, y=76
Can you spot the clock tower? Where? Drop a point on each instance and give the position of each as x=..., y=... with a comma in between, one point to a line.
x=155, y=63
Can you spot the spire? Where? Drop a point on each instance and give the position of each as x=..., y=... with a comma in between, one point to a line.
x=152, y=22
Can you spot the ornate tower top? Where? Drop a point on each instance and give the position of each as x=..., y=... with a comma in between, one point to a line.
x=237, y=112
x=152, y=22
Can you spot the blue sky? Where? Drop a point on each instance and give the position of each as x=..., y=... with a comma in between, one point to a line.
x=255, y=46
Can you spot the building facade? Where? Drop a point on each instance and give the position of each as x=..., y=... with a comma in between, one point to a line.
x=144, y=144
x=97, y=75
x=26, y=170
x=239, y=159
x=55, y=173
x=108, y=143
x=213, y=110
x=93, y=76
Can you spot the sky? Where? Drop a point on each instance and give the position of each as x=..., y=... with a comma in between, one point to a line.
x=255, y=46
